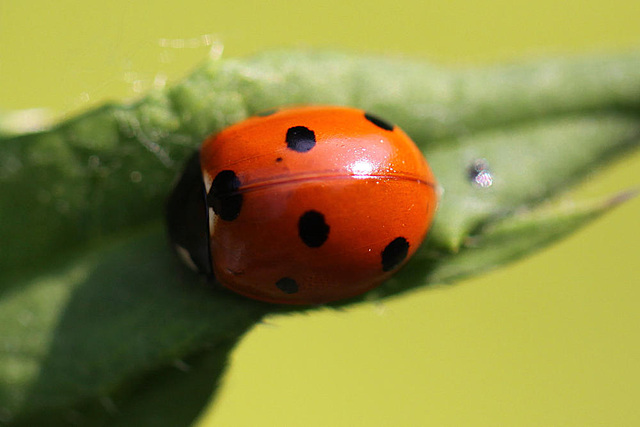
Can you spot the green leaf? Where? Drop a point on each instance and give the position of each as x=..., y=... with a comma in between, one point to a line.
x=99, y=323
x=511, y=238
x=530, y=161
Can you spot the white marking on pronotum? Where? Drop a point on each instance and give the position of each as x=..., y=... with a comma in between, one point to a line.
x=213, y=220
x=183, y=254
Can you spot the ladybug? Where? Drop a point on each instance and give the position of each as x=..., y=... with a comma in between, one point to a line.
x=303, y=205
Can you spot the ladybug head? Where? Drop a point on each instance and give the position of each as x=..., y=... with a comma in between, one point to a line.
x=188, y=218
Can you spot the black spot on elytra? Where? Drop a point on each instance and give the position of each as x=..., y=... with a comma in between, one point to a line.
x=300, y=139
x=223, y=196
x=287, y=285
x=312, y=229
x=394, y=253
x=279, y=159
x=383, y=124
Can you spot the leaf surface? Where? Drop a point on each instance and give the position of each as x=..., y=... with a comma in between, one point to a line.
x=100, y=324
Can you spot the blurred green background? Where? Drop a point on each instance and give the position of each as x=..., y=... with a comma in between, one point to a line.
x=553, y=340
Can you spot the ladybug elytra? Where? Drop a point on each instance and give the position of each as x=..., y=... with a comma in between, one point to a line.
x=303, y=205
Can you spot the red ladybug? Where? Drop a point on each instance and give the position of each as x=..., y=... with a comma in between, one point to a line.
x=303, y=205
